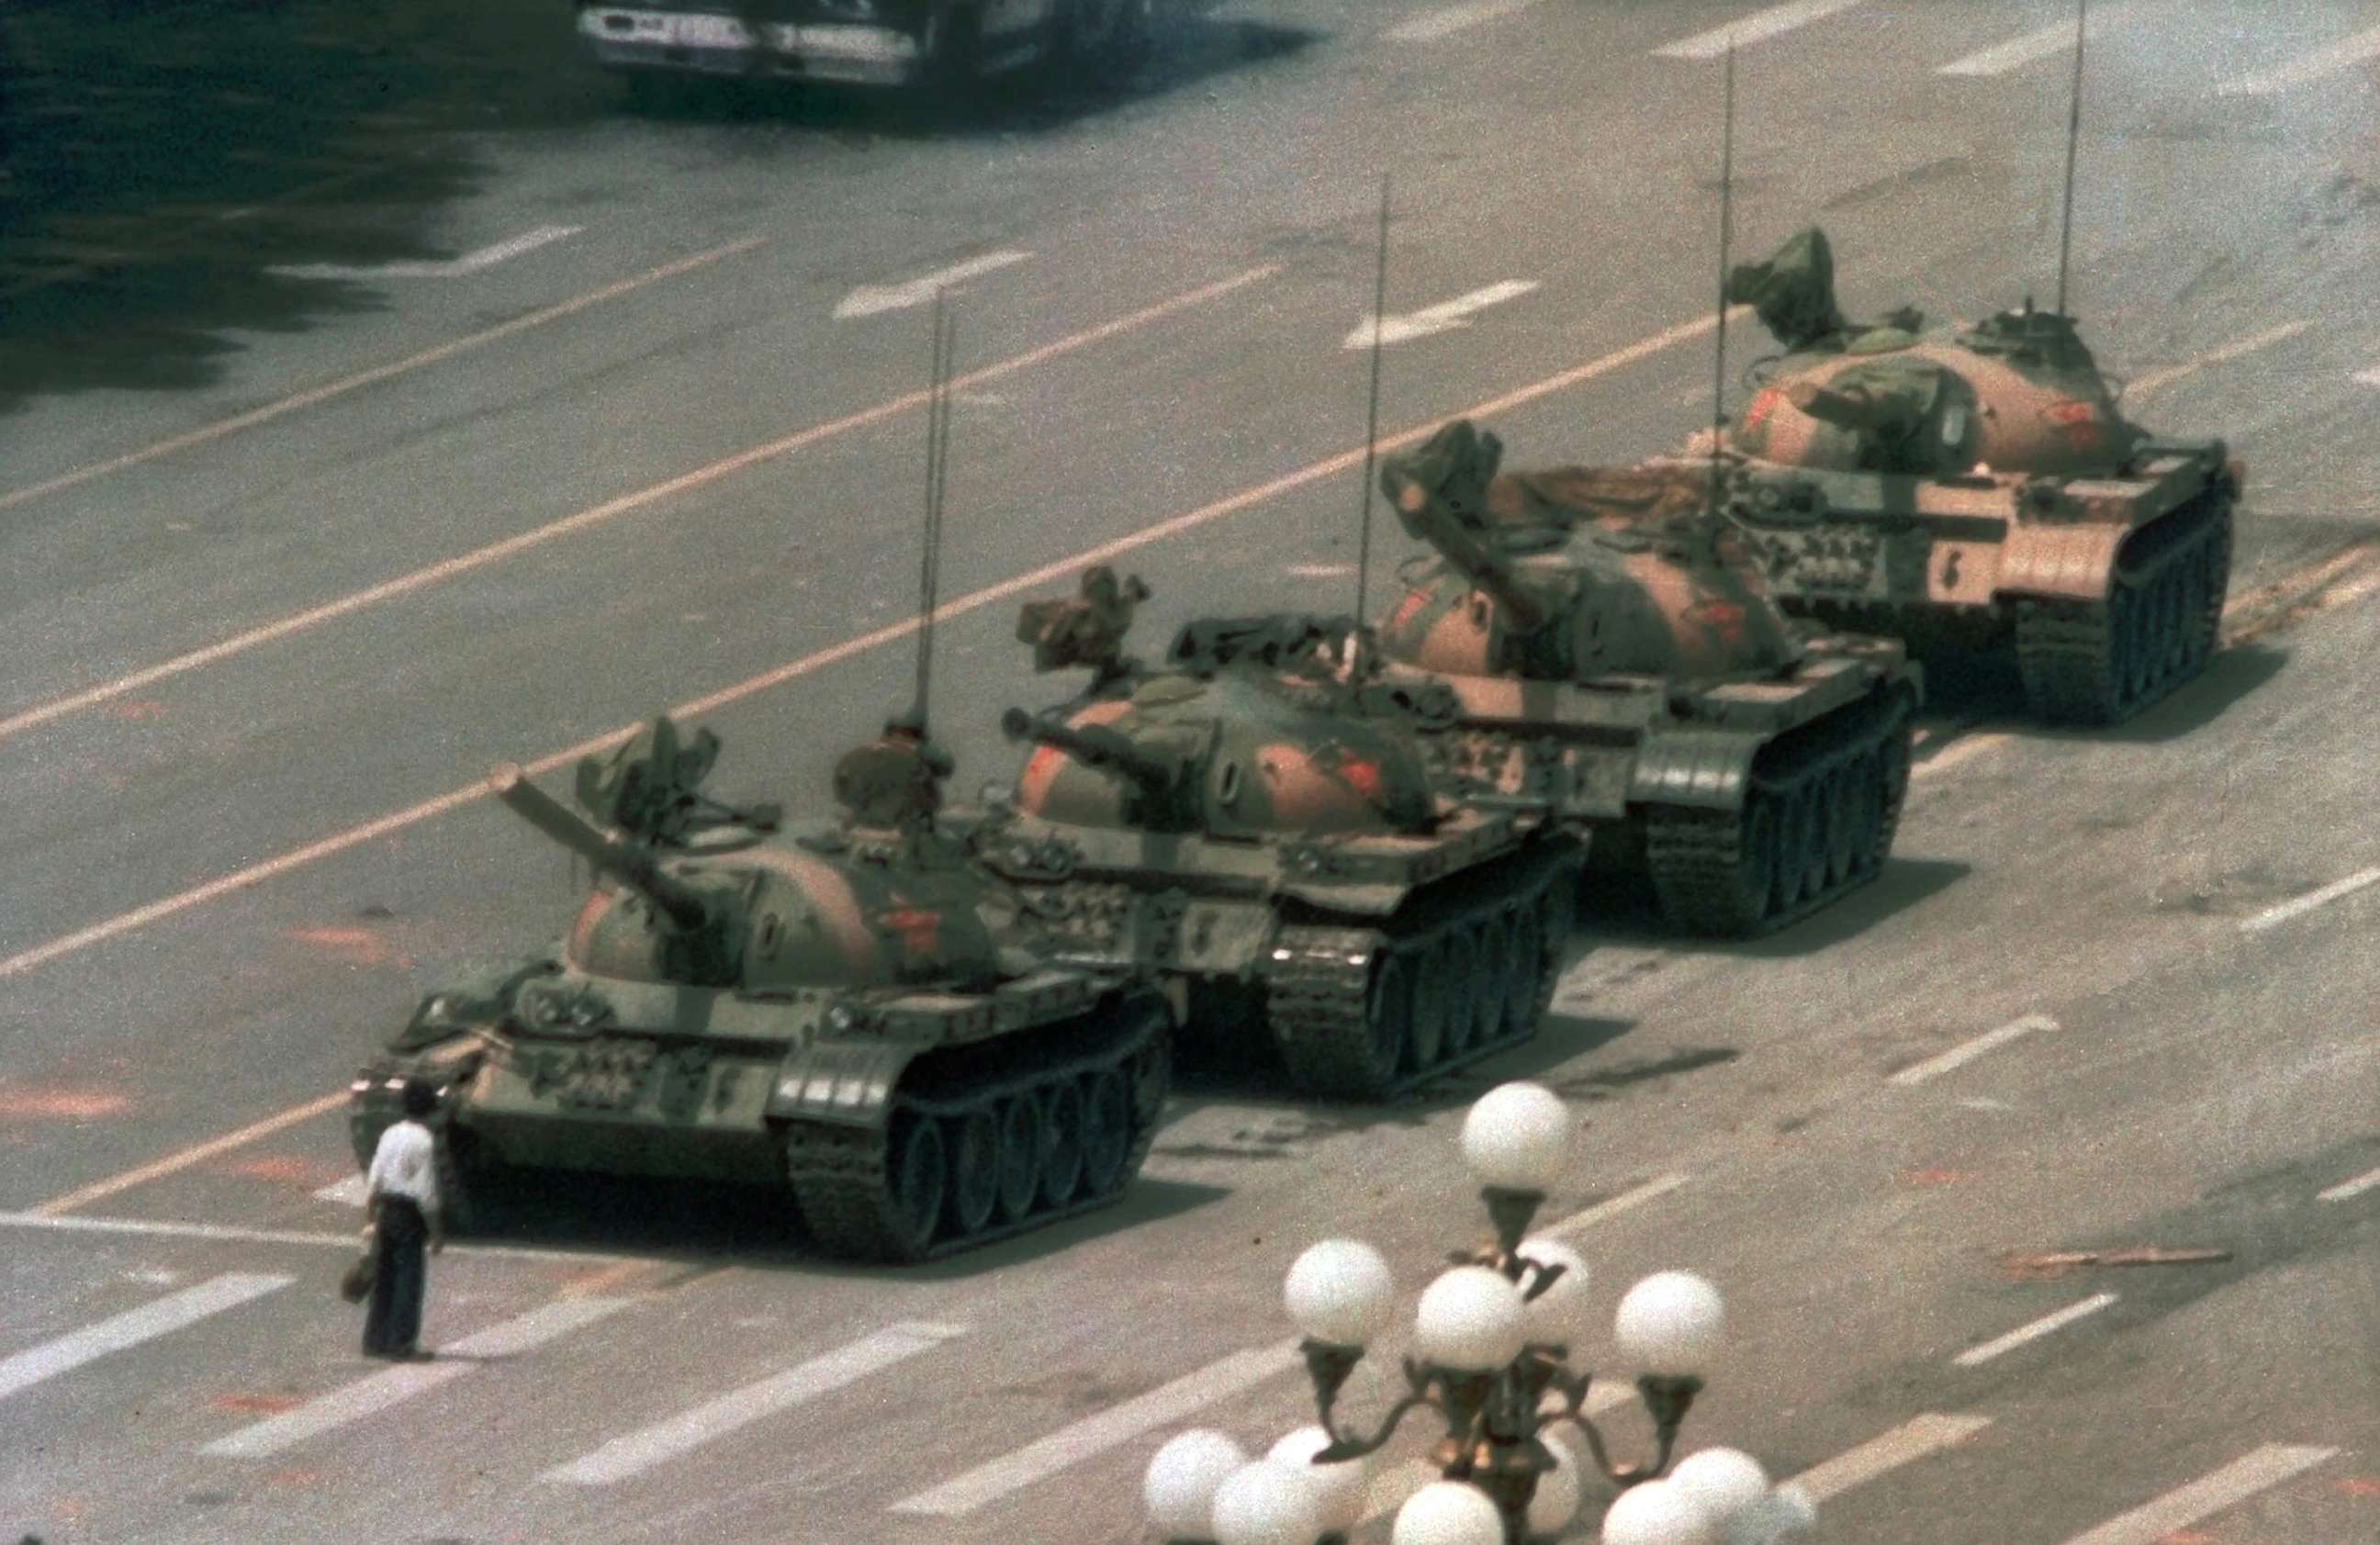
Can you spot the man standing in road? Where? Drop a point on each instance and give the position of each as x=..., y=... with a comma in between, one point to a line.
x=401, y=1196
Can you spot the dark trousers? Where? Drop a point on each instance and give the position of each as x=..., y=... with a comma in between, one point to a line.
x=392, y=1323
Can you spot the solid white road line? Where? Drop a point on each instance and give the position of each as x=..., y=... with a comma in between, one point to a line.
x=452, y=268
x=1966, y=1052
x=1975, y=1356
x=2157, y=379
x=2056, y=38
x=1913, y=1440
x=225, y=1234
x=345, y=384
x=156, y=1318
x=396, y=1385
x=871, y=300
x=2305, y=67
x=1580, y=1222
x=596, y=515
x=349, y=1193
x=2271, y=916
x=639, y=1452
x=1756, y=28
x=1430, y=26
x=1097, y=1434
x=2368, y=378
x=2178, y=1509
x=2347, y=1188
x=1444, y=315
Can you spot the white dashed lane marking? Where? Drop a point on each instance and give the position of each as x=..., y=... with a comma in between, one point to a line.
x=152, y=1319
x=1975, y=1356
x=1758, y=27
x=2178, y=1509
x=1966, y=1052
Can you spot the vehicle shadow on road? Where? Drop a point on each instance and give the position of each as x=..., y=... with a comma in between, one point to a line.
x=1985, y=694
x=1631, y=919
x=2232, y=676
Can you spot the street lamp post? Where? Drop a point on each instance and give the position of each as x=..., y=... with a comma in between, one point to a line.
x=1491, y=1361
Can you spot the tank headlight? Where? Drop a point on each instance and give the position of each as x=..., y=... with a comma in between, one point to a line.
x=841, y=1019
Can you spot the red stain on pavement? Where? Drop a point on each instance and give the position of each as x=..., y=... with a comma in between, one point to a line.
x=1932, y=1177
x=2357, y=1486
x=293, y=1478
x=255, y=1404
x=61, y=1104
x=358, y=946
x=137, y=710
x=286, y=1168
x=2186, y=1537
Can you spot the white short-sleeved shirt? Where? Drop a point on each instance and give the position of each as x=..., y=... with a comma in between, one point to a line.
x=402, y=1165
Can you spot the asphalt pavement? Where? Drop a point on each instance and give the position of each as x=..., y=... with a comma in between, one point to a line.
x=270, y=621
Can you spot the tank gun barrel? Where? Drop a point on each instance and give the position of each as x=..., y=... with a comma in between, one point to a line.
x=1095, y=747
x=632, y=864
x=1428, y=517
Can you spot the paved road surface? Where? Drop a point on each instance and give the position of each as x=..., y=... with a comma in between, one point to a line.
x=250, y=669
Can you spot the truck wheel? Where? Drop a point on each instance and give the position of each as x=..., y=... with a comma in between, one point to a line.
x=949, y=44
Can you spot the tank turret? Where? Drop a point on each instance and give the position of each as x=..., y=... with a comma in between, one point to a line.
x=1549, y=600
x=1156, y=777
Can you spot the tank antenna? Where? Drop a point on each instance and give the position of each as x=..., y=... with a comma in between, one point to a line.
x=938, y=452
x=1726, y=240
x=1372, y=408
x=2073, y=138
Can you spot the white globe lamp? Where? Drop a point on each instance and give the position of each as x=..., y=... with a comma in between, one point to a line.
x=1555, y=1502
x=1340, y=1293
x=1182, y=1478
x=1338, y=1488
x=1517, y=1138
x=1448, y=1513
x=1670, y=1324
x=1265, y=1503
x=1727, y=1483
x=1469, y=1319
x=1657, y=1512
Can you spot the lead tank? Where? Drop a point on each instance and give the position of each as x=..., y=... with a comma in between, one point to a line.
x=852, y=1012
x=1977, y=486
x=1630, y=672
x=1254, y=821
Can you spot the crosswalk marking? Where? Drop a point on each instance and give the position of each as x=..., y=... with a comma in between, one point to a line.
x=2056, y=38
x=1912, y=1440
x=2348, y=1189
x=396, y=1385
x=1430, y=26
x=1967, y=1050
x=158, y=1317
x=1975, y=1356
x=640, y=1451
x=2305, y=67
x=2178, y=1509
x=2274, y=916
x=1093, y=1435
x=1756, y=28
x=349, y=1193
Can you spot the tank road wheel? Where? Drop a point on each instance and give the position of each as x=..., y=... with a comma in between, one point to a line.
x=1106, y=1130
x=462, y=1180
x=1021, y=1146
x=1797, y=841
x=1441, y=1002
x=1557, y=915
x=1468, y=1015
x=1524, y=968
x=1061, y=1142
x=1892, y=766
x=1865, y=801
x=1846, y=822
x=974, y=1144
x=1152, y=1079
x=1494, y=977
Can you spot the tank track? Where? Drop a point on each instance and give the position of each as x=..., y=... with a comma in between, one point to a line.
x=2100, y=662
x=1318, y=989
x=838, y=1176
x=1696, y=857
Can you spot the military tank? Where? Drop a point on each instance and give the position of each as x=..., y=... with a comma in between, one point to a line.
x=1977, y=487
x=851, y=1010
x=1629, y=671
x=1252, y=820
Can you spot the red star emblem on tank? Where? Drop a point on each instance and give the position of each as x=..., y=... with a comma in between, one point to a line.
x=1762, y=404
x=2070, y=410
x=1362, y=776
x=1723, y=620
x=1407, y=610
x=920, y=931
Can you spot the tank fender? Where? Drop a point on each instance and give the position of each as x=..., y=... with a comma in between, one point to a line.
x=848, y=1083
x=2066, y=563
x=1706, y=770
